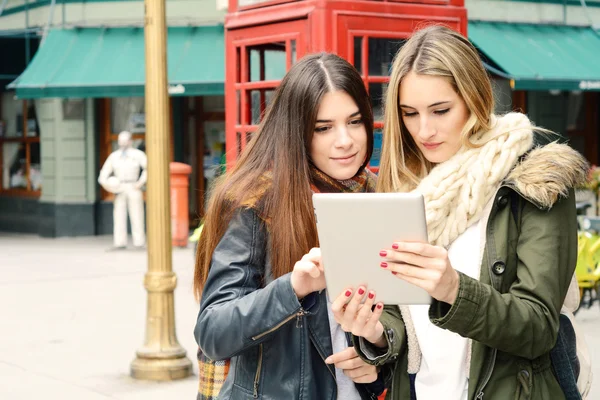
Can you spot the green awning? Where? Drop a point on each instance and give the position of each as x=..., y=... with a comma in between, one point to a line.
x=541, y=57
x=109, y=62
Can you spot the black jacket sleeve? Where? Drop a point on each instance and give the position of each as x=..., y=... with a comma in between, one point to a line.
x=237, y=311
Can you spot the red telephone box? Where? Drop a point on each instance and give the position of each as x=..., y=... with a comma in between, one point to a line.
x=264, y=38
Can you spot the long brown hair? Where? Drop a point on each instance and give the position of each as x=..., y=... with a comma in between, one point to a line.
x=436, y=51
x=279, y=149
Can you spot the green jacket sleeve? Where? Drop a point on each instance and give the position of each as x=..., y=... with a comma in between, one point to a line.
x=395, y=335
x=524, y=321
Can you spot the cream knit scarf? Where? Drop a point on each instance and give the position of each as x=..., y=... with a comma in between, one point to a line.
x=456, y=191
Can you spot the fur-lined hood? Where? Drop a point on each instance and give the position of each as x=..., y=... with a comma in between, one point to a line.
x=547, y=172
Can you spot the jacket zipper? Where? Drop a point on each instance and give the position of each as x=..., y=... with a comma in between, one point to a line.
x=326, y=365
x=299, y=324
x=257, y=376
x=490, y=370
x=393, y=375
x=298, y=315
x=488, y=374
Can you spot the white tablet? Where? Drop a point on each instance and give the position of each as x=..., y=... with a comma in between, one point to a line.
x=354, y=227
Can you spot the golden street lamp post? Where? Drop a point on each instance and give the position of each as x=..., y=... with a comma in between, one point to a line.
x=161, y=358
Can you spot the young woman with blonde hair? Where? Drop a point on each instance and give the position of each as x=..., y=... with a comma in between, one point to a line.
x=502, y=228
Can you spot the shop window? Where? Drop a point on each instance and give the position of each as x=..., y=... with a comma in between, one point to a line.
x=73, y=109
x=213, y=103
x=293, y=51
x=377, y=143
x=125, y=114
x=377, y=93
x=267, y=62
x=358, y=40
x=260, y=100
x=20, y=158
x=381, y=55
x=128, y=114
x=203, y=147
x=581, y=137
x=261, y=66
x=575, y=111
x=503, y=102
x=214, y=150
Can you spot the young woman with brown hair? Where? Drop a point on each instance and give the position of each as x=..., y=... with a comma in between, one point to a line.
x=260, y=284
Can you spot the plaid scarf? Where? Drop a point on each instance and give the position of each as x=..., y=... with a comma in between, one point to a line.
x=362, y=182
x=212, y=374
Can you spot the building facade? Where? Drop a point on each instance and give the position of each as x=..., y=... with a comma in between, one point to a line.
x=543, y=56
x=72, y=77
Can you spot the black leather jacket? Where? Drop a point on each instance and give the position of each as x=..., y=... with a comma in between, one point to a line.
x=277, y=344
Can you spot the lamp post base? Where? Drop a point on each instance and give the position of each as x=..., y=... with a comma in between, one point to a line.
x=161, y=369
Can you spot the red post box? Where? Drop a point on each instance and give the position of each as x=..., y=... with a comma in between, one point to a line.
x=179, y=174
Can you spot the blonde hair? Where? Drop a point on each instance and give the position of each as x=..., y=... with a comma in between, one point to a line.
x=435, y=51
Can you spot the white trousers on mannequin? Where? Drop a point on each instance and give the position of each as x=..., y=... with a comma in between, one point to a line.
x=130, y=200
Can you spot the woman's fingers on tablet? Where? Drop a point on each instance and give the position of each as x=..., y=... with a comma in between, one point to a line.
x=307, y=268
x=338, y=305
x=375, y=314
x=354, y=304
x=365, y=310
x=313, y=270
x=353, y=316
x=314, y=255
x=373, y=329
x=352, y=309
x=402, y=271
x=421, y=249
x=400, y=257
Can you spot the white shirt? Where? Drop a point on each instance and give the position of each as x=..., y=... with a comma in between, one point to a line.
x=126, y=165
x=443, y=373
x=345, y=386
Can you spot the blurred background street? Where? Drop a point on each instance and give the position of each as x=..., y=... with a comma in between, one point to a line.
x=75, y=74
x=73, y=316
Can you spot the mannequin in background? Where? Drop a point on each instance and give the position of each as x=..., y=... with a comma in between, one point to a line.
x=124, y=174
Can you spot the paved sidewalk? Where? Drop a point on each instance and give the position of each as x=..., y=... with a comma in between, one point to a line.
x=73, y=316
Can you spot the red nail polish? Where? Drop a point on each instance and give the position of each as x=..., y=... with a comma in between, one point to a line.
x=361, y=291
x=383, y=265
x=395, y=246
x=380, y=306
x=383, y=253
x=395, y=273
x=371, y=295
x=348, y=293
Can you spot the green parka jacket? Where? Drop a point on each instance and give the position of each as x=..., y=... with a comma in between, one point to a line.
x=512, y=312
